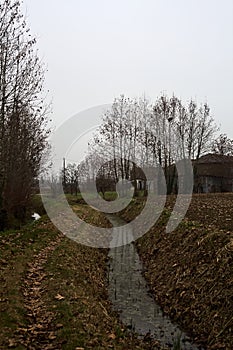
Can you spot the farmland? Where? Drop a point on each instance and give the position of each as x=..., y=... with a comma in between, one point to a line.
x=53, y=292
x=190, y=271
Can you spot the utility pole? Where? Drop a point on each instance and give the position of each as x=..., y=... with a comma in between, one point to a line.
x=64, y=174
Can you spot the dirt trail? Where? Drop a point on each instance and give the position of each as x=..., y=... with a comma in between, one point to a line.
x=40, y=331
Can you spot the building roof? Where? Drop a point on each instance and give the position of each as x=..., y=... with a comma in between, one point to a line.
x=215, y=165
x=214, y=158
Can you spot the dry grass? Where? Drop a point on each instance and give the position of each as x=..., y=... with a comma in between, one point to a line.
x=53, y=292
x=190, y=271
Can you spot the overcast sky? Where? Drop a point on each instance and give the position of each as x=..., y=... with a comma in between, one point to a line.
x=96, y=50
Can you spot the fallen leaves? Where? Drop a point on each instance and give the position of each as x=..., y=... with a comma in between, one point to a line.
x=12, y=343
x=59, y=325
x=59, y=297
x=192, y=272
x=112, y=336
x=40, y=329
x=85, y=312
x=64, y=319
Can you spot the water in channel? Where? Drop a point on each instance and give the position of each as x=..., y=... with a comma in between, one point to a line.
x=129, y=294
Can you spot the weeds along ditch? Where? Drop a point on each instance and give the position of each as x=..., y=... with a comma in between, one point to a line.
x=190, y=271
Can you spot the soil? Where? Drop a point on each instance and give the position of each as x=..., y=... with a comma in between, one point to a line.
x=53, y=293
x=190, y=271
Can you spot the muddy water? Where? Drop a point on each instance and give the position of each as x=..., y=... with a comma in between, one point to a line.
x=129, y=294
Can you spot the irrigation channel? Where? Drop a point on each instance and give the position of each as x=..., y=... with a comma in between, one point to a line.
x=130, y=296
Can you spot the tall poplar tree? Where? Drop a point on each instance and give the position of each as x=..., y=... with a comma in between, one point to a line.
x=23, y=114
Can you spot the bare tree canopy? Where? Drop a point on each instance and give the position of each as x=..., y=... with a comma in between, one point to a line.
x=223, y=145
x=137, y=132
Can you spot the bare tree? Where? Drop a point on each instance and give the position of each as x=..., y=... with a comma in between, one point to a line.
x=23, y=121
x=136, y=133
x=70, y=176
x=195, y=129
x=223, y=145
x=206, y=130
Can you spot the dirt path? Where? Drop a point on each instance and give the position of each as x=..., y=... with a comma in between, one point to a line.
x=53, y=294
x=40, y=331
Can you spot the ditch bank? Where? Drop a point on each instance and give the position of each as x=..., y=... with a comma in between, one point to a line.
x=130, y=297
x=190, y=273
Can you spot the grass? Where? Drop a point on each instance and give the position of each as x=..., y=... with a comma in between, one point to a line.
x=177, y=343
x=108, y=196
x=17, y=249
x=82, y=315
x=190, y=270
x=78, y=273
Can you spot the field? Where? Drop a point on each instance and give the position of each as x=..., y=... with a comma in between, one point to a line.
x=190, y=271
x=53, y=293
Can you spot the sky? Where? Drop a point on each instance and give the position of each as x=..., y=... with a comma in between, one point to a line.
x=97, y=50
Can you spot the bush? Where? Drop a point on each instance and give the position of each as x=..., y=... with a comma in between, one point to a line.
x=37, y=205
